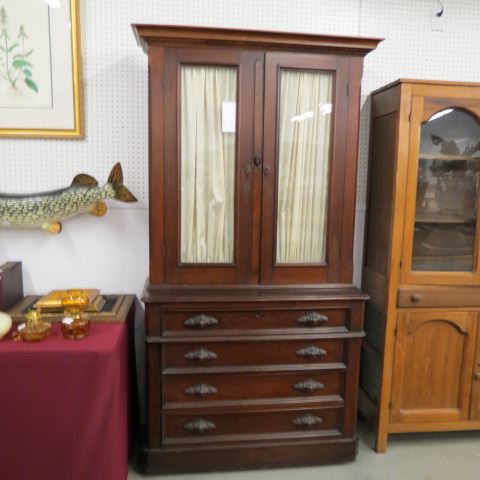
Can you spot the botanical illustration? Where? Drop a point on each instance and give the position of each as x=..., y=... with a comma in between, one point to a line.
x=15, y=65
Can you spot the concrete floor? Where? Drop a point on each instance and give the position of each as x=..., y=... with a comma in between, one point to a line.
x=438, y=456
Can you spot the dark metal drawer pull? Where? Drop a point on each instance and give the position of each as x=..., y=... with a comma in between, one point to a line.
x=201, y=390
x=312, y=319
x=309, y=385
x=199, y=425
x=201, y=321
x=308, y=420
x=311, y=351
x=201, y=354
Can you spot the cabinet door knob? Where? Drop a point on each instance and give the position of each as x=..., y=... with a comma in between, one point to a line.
x=307, y=420
x=312, y=319
x=416, y=297
x=199, y=425
x=201, y=390
x=311, y=351
x=200, y=354
x=309, y=385
x=477, y=375
x=201, y=321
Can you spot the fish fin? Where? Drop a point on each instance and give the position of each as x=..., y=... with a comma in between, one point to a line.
x=116, y=180
x=99, y=209
x=52, y=228
x=84, y=180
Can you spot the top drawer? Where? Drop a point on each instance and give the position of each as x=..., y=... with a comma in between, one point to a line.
x=212, y=322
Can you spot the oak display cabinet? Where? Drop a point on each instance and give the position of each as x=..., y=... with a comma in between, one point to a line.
x=421, y=356
x=253, y=327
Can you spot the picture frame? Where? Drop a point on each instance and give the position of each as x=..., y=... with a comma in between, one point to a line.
x=41, y=88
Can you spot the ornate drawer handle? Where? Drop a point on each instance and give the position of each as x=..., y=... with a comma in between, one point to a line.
x=308, y=420
x=312, y=319
x=199, y=425
x=201, y=321
x=201, y=390
x=201, y=354
x=309, y=385
x=311, y=351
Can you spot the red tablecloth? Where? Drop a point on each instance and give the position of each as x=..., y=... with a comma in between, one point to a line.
x=64, y=407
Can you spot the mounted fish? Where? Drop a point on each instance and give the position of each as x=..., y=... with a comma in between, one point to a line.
x=48, y=209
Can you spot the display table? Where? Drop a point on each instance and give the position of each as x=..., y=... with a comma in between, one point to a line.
x=64, y=406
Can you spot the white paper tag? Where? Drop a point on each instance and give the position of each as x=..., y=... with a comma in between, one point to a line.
x=67, y=320
x=229, y=117
x=21, y=327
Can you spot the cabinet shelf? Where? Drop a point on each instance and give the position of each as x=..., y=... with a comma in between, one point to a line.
x=443, y=156
x=429, y=218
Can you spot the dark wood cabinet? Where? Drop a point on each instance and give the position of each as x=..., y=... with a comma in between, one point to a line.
x=253, y=327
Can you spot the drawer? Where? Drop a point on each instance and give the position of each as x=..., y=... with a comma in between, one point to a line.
x=219, y=427
x=189, y=390
x=217, y=321
x=274, y=352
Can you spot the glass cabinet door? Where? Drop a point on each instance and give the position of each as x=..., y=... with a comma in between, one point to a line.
x=207, y=163
x=208, y=140
x=305, y=112
x=446, y=199
x=304, y=162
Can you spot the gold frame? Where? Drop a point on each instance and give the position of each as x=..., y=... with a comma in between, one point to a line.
x=78, y=132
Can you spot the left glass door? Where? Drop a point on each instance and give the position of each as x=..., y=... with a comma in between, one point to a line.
x=208, y=149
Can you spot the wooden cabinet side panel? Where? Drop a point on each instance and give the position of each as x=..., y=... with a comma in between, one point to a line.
x=380, y=207
x=156, y=61
x=475, y=399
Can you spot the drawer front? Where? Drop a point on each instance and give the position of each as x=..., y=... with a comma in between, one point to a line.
x=192, y=389
x=210, y=354
x=214, y=427
x=218, y=321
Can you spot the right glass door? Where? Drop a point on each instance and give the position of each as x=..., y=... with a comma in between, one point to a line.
x=445, y=201
x=304, y=162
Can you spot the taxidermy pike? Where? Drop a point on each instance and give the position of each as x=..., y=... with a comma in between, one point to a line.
x=48, y=209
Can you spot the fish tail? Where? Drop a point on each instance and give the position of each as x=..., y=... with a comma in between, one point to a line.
x=116, y=180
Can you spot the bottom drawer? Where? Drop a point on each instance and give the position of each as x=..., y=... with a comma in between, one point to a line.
x=215, y=427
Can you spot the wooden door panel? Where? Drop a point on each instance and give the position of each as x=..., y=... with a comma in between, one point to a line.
x=249, y=66
x=330, y=270
x=433, y=366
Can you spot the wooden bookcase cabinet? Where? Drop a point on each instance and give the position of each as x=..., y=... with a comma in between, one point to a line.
x=251, y=361
x=421, y=355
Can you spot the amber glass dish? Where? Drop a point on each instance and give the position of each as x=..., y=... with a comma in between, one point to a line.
x=76, y=330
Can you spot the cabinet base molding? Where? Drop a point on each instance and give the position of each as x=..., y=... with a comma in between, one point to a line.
x=248, y=456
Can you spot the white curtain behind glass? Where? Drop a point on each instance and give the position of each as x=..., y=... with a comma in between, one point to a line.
x=207, y=165
x=304, y=147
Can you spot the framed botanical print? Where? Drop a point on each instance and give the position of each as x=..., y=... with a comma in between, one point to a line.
x=40, y=69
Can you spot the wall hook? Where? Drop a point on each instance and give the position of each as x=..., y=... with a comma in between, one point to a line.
x=439, y=13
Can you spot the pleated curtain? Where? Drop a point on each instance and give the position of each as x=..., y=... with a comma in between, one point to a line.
x=304, y=148
x=207, y=165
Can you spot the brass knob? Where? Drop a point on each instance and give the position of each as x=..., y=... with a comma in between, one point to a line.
x=416, y=297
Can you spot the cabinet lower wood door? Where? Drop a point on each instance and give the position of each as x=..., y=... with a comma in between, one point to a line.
x=433, y=365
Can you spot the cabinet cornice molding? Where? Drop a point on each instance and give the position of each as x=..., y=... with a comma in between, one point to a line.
x=178, y=35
